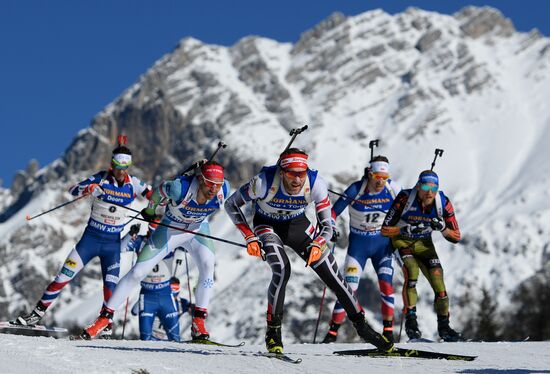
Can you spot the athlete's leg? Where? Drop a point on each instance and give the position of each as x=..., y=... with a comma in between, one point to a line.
x=169, y=316
x=352, y=274
x=161, y=243
x=382, y=262
x=86, y=249
x=279, y=263
x=432, y=270
x=148, y=305
x=203, y=253
x=356, y=258
x=411, y=271
x=110, y=267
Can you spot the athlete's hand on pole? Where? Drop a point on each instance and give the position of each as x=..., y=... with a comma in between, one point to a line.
x=148, y=214
x=253, y=246
x=420, y=229
x=134, y=230
x=93, y=189
x=316, y=249
x=437, y=224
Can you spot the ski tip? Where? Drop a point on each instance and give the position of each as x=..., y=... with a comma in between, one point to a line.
x=28, y=217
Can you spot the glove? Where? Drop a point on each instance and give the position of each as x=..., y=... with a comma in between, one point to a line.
x=316, y=249
x=253, y=246
x=93, y=189
x=148, y=214
x=437, y=224
x=419, y=229
x=184, y=306
x=134, y=229
x=175, y=285
x=335, y=234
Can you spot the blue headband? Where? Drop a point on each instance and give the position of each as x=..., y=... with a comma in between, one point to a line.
x=430, y=177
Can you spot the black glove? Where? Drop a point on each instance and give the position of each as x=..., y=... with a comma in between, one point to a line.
x=134, y=229
x=335, y=235
x=145, y=213
x=437, y=224
x=419, y=229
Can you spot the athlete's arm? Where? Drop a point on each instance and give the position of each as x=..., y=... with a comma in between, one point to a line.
x=141, y=188
x=351, y=192
x=389, y=227
x=84, y=187
x=250, y=191
x=319, y=195
x=452, y=231
x=168, y=190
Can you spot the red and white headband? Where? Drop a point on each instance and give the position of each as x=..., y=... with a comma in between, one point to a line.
x=294, y=161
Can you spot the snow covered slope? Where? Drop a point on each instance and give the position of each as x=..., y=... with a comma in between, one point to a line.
x=26, y=355
x=468, y=83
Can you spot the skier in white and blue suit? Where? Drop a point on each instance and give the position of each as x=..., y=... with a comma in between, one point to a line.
x=101, y=237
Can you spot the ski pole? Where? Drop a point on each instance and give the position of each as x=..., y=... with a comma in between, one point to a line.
x=28, y=217
x=438, y=152
x=356, y=201
x=180, y=228
x=372, y=144
x=294, y=133
x=322, y=302
x=188, y=285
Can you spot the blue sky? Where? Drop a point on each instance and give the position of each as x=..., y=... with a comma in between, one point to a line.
x=62, y=61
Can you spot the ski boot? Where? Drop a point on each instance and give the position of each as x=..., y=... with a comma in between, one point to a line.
x=273, y=340
x=101, y=323
x=411, y=324
x=107, y=333
x=388, y=330
x=332, y=333
x=446, y=332
x=198, y=329
x=33, y=317
x=369, y=335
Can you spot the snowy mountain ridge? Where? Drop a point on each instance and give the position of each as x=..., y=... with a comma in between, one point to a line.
x=468, y=83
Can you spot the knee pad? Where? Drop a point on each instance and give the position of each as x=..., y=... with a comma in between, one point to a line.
x=440, y=296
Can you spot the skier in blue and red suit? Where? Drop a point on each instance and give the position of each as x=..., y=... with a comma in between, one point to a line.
x=368, y=200
x=101, y=237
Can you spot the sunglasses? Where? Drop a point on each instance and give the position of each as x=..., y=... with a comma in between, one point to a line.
x=382, y=177
x=294, y=174
x=425, y=187
x=209, y=183
x=118, y=166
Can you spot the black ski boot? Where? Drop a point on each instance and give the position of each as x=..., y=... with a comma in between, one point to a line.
x=332, y=333
x=446, y=332
x=273, y=340
x=33, y=317
x=411, y=325
x=369, y=335
x=388, y=330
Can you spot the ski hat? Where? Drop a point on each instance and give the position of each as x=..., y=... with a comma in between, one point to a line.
x=428, y=176
x=380, y=167
x=212, y=171
x=122, y=156
x=294, y=161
